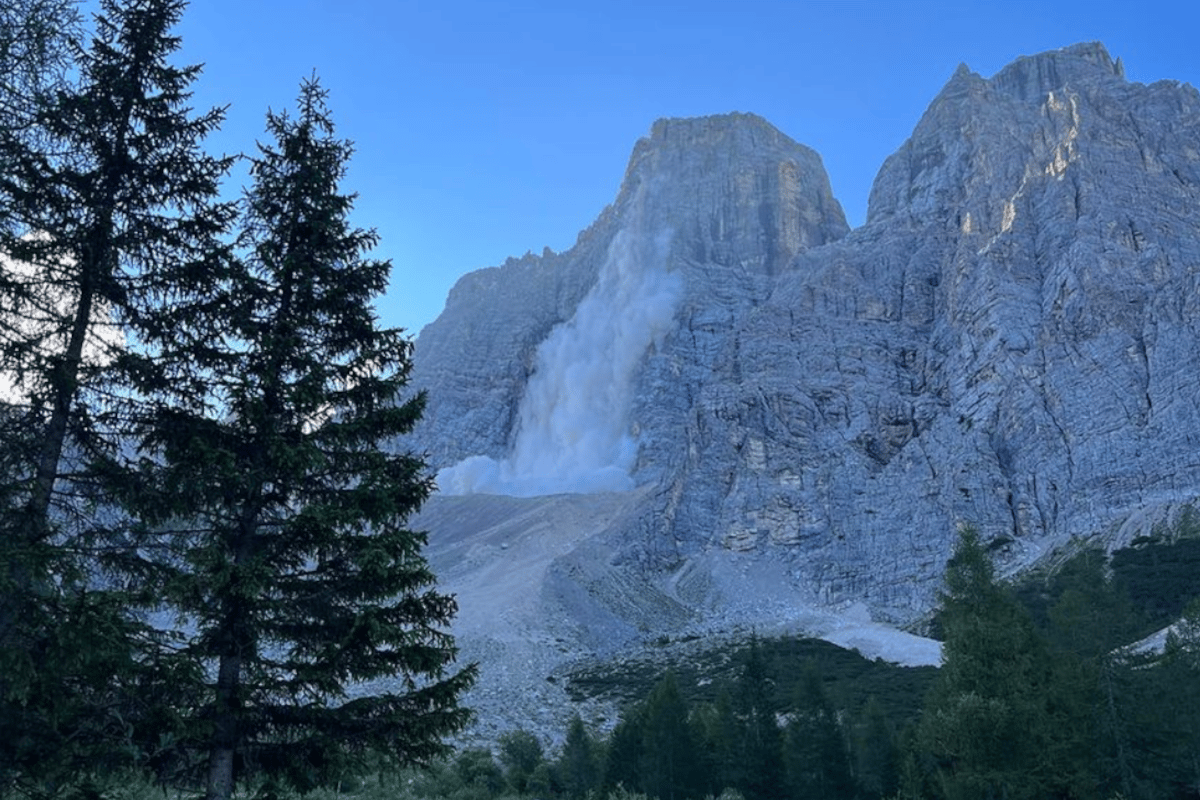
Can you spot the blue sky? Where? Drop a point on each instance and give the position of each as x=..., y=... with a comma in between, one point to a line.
x=487, y=129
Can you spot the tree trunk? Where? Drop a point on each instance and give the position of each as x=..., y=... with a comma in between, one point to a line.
x=225, y=732
x=65, y=382
x=235, y=638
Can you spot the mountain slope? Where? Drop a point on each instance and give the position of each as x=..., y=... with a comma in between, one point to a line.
x=807, y=412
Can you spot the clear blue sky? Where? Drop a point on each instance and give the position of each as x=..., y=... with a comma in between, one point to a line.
x=486, y=129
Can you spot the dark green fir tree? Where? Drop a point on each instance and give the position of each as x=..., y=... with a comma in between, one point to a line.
x=986, y=722
x=107, y=206
x=758, y=753
x=579, y=765
x=669, y=757
x=623, y=756
x=876, y=756
x=815, y=753
x=280, y=510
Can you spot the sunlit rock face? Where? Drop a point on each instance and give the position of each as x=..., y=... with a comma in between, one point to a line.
x=1010, y=340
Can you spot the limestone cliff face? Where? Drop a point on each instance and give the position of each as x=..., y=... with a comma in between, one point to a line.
x=1012, y=339
x=728, y=200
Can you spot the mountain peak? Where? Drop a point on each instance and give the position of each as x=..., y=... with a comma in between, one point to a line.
x=962, y=138
x=750, y=129
x=1032, y=77
x=729, y=174
x=700, y=145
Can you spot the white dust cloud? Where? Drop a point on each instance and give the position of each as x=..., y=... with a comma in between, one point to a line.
x=574, y=432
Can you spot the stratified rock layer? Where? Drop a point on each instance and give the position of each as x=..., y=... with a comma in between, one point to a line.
x=1011, y=340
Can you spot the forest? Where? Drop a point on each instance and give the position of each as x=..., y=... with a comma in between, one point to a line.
x=204, y=552
x=1043, y=693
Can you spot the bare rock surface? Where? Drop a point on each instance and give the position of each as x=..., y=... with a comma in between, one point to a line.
x=540, y=596
x=1012, y=340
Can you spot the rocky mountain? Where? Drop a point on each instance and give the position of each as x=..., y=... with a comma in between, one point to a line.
x=785, y=418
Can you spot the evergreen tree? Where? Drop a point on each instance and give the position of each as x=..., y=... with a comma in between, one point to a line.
x=1180, y=683
x=668, y=759
x=876, y=756
x=758, y=755
x=716, y=731
x=278, y=510
x=1087, y=744
x=985, y=722
x=578, y=767
x=623, y=756
x=106, y=208
x=814, y=751
x=520, y=754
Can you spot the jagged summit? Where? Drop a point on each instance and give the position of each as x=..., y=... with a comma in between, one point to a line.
x=1049, y=102
x=729, y=133
x=1030, y=78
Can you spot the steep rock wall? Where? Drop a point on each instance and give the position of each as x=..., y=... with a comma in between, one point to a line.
x=1010, y=340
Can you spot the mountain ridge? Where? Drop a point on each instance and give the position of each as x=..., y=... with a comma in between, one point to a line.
x=1010, y=341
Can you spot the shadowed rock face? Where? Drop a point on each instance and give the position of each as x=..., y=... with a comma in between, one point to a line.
x=1010, y=340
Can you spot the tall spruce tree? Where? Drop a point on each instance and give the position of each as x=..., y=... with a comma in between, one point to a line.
x=875, y=753
x=759, y=772
x=267, y=481
x=1086, y=626
x=669, y=757
x=579, y=765
x=815, y=754
x=106, y=206
x=985, y=723
x=716, y=729
x=623, y=755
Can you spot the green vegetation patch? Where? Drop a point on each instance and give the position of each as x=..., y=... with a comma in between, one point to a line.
x=704, y=671
x=1160, y=578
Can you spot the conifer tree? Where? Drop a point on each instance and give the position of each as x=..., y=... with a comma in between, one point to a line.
x=985, y=723
x=876, y=756
x=1181, y=684
x=758, y=773
x=106, y=207
x=267, y=481
x=1088, y=745
x=716, y=730
x=814, y=752
x=578, y=767
x=623, y=756
x=668, y=758
x=520, y=755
